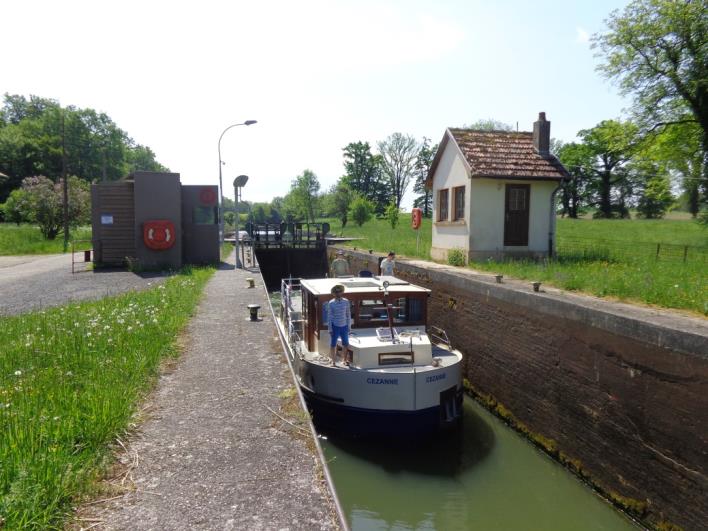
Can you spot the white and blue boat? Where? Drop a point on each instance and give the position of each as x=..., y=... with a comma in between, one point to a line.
x=396, y=377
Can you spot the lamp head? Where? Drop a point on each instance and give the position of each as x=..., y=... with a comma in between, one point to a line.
x=240, y=181
x=250, y=122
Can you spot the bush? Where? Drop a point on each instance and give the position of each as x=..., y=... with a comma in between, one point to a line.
x=456, y=257
x=392, y=215
x=361, y=210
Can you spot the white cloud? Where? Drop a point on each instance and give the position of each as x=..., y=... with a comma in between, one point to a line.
x=581, y=35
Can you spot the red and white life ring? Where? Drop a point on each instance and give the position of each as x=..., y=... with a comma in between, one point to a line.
x=159, y=234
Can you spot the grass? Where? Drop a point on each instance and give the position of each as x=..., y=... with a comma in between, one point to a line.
x=70, y=379
x=27, y=239
x=606, y=258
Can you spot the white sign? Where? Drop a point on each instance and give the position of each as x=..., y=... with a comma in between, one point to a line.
x=106, y=219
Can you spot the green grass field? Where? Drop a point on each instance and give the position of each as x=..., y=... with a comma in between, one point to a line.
x=70, y=379
x=607, y=258
x=27, y=239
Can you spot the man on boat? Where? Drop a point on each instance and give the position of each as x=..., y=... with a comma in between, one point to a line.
x=338, y=315
x=388, y=263
x=340, y=266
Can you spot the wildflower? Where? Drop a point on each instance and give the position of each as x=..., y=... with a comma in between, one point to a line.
x=130, y=328
x=676, y=285
x=18, y=373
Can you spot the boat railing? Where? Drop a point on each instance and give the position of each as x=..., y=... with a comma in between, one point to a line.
x=438, y=335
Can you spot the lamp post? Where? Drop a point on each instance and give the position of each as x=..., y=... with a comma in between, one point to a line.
x=221, y=187
x=239, y=182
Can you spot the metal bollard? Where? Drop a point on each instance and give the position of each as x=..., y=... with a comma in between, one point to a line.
x=499, y=278
x=536, y=286
x=253, y=308
x=251, y=283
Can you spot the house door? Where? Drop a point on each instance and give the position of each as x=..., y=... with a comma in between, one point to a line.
x=516, y=214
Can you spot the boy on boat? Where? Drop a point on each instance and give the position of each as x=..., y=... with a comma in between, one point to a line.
x=338, y=315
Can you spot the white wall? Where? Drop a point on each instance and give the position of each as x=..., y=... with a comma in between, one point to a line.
x=451, y=172
x=487, y=216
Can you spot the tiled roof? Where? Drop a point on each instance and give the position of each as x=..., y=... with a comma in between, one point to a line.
x=505, y=154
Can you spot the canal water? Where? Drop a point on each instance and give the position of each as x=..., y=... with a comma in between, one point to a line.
x=483, y=477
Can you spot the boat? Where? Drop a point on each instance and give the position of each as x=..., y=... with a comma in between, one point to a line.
x=397, y=377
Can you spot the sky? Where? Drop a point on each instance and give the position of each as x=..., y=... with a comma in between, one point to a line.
x=316, y=75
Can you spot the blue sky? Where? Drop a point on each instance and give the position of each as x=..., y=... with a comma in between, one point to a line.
x=315, y=74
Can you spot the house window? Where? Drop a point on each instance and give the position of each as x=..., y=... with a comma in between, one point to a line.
x=459, y=195
x=443, y=204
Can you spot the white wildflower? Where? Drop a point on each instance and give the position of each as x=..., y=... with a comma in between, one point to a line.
x=18, y=373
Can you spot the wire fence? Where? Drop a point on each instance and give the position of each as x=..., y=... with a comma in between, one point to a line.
x=624, y=250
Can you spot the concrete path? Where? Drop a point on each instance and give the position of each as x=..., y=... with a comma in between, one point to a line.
x=33, y=282
x=213, y=454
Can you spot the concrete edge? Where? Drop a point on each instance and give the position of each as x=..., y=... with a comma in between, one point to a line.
x=661, y=327
x=313, y=433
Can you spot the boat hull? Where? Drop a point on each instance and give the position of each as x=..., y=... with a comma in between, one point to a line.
x=334, y=417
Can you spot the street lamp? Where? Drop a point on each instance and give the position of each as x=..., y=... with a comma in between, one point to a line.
x=239, y=182
x=221, y=186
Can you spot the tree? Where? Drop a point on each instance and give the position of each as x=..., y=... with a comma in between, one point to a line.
x=656, y=198
x=342, y=196
x=392, y=215
x=12, y=207
x=657, y=51
x=426, y=154
x=489, y=124
x=361, y=210
x=40, y=201
x=611, y=145
x=301, y=201
x=364, y=174
x=579, y=160
x=399, y=153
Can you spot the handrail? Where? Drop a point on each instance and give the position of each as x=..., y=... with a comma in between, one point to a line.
x=438, y=333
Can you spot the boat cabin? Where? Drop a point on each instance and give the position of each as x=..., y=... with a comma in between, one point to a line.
x=371, y=343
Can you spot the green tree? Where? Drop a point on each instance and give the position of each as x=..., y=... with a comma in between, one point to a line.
x=489, y=124
x=364, y=174
x=611, y=145
x=424, y=200
x=42, y=203
x=392, y=215
x=301, y=201
x=399, y=153
x=580, y=161
x=361, y=210
x=656, y=198
x=341, y=197
x=658, y=52
x=12, y=207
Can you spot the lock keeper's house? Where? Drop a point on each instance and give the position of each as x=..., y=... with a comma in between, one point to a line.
x=494, y=193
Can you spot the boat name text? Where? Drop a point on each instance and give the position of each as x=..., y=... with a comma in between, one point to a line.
x=384, y=381
x=434, y=378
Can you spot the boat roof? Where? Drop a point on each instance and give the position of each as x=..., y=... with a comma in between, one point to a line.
x=323, y=286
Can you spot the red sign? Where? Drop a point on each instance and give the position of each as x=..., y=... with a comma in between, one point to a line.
x=207, y=196
x=159, y=234
x=416, y=218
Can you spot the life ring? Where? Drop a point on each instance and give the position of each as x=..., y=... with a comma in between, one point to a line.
x=159, y=234
x=416, y=218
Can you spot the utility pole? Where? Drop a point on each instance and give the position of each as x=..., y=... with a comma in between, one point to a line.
x=65, y=183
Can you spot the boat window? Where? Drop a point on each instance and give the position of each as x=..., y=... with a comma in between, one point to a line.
x=395, y=358
x=372, y=310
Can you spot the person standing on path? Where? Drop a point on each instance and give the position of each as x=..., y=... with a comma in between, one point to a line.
x=387, y=264
x=340, y=266
x=338, y=317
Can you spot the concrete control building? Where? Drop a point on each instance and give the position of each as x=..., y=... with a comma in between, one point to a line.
x=153, y=221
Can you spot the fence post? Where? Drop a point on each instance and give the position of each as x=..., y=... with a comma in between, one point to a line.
x=685, y=253
x=658, y=249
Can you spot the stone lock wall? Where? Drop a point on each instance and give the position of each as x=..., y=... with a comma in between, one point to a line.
x=617, y=392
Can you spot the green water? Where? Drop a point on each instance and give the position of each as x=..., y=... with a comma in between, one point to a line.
x=485, y=477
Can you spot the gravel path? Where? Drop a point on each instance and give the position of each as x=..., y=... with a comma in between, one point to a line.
x=213, y=455
x=34, y=282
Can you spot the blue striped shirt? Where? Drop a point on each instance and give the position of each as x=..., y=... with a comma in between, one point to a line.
x=337, y=313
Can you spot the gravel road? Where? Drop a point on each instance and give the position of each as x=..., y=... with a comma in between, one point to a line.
x=39, y=281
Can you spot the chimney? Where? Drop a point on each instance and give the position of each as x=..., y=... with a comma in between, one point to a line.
x=542, y=135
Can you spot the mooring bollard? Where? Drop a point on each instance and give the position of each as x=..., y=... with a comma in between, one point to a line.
x=536, y=286
x=251, y=283
x=499, y=278
x=253, y=308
